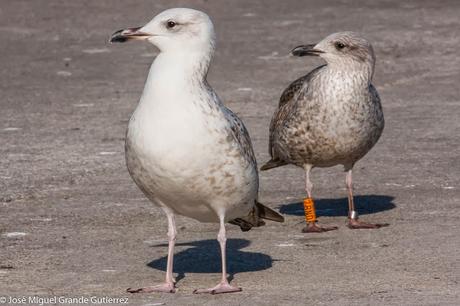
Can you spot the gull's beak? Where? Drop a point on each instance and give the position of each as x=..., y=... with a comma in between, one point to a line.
x=304, y=50
x=129, y=34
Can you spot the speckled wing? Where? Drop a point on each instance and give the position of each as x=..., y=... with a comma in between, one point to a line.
x=259, y=211
x=241, y=135
x=285, y=106
x=376, y=101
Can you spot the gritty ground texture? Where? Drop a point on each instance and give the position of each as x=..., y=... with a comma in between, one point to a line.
x=72, y=222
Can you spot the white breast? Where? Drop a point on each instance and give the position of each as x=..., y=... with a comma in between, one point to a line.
x=179, y=154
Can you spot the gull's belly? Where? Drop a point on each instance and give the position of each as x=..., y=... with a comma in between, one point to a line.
x=191, y=171
x=342, y=147
x=331, y=140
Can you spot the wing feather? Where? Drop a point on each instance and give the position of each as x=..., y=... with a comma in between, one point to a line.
x=287, y=101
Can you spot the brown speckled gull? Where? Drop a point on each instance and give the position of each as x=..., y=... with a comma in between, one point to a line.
x=185, y=150
x=331, y=116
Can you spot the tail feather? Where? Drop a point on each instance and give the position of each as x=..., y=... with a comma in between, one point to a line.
x=267, y=213
x=273, y=163
x=254, y=219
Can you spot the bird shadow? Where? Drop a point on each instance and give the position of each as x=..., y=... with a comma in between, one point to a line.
x=204, y=257
x=364, y=205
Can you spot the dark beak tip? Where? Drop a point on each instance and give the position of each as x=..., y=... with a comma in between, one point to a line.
x=296, y=52
x=117, y=37
x=306, y=50
x=300, y=50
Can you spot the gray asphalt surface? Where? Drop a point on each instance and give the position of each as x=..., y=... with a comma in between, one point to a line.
x=72, y=223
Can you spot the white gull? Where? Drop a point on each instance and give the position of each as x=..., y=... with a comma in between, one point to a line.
x=186, y=151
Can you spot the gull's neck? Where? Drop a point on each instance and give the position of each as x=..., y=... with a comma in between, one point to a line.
x=174, y=76
x=358, y=74
x=183, y=67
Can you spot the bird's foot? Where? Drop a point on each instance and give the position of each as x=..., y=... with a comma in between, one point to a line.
x=167, y=287
x=312, y=227
x=223, y=287
x=356, y=224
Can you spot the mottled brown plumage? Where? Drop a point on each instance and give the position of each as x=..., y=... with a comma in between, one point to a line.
x=285, y=107
x=331, y=116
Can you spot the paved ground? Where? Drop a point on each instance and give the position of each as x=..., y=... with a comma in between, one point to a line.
x=66, y=96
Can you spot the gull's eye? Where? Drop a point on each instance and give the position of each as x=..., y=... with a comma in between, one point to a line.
x=339, y=45
x=170, y=24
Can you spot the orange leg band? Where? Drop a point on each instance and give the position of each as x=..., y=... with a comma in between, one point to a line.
x=309, y=208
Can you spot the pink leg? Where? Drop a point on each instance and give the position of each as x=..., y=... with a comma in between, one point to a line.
x=168, y=285
x=223, y=286
x=353, y=222
x=312, y=227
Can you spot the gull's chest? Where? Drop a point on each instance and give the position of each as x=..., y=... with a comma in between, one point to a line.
x=187, y=162
x=338, y=105
x=180, y=148
x=174, y=139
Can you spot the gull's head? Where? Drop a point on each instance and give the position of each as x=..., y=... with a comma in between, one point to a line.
x=340, y=48
x=177, y=29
